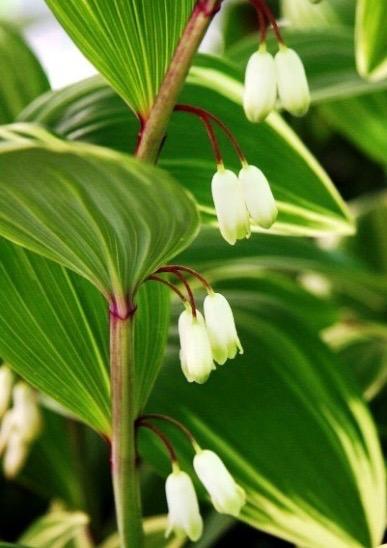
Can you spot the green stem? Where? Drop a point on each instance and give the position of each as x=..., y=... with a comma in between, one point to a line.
x=125, y=474
x=155, y=125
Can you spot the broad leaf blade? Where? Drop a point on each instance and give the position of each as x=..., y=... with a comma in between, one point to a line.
x=108, y=217
x=302, y=435
x=131, y=42
x=362, y=121
x=22, y=77
x=54, y=333
x=371, y=39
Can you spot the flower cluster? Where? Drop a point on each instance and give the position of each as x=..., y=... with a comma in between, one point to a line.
x=20, y=423
x=204, y=340
x=237, y=199
x=266, y=75
x=269, y=77
x=226, y=495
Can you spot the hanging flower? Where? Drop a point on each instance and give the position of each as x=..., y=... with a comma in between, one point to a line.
x=183, y=509
x=20, y=425
x=6, y=382
x=293, y=86
x=226, y=495
x=221, y=328
x=258, y=196
x=230, y=206
x=260, y=92
x=195, y=349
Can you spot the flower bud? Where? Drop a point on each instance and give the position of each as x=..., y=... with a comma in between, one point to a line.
x=15, y=455
x=6, y=381
x=230, y=206
x=258, y=196
x=195, y=349
x=226, y=495
x=260, y=91
x=221, y=328
x=183, y=509
x=293, y=86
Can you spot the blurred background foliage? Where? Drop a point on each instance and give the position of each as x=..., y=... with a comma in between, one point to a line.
x=336, y=288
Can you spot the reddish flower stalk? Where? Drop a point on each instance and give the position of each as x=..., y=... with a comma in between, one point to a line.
x=205, y=116
x=175, y=267
x=262, y=7
x=190, y=300
x=161, y=436
x=171, y=420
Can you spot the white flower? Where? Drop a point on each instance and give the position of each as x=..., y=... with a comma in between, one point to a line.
x=258, y=196
x=195, y=349
x=260, y=91
x=183, y=509
x=221, y=328
x=6, y=429
x=15, y=455
x=26, y=414
x=293, y=86
x=226, y=495
x=230, y=206
x=6, y=381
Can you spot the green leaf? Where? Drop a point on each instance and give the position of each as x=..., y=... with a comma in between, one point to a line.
x=53, y=332
x=302, y=435
x=58, y=528
x=151, y=325
x=371, y=39
x=305, y=14
x=131, y=42
x=308, y=202
x=369, y=244
x=362, y=121
x=22, y=77
x=365, y=355
x=108, y=217
x=328, y=56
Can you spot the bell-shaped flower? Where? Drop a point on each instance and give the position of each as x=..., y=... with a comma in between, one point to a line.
x=293, y=85
x=258, y=196
x=226, y=495
x=221, y=328
x=183, y=509
x=230, y=207
x=6, y=429
x=26, y=413
x=260, y=91
x=195, y=349
x=6, y=382
x=15, y=455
